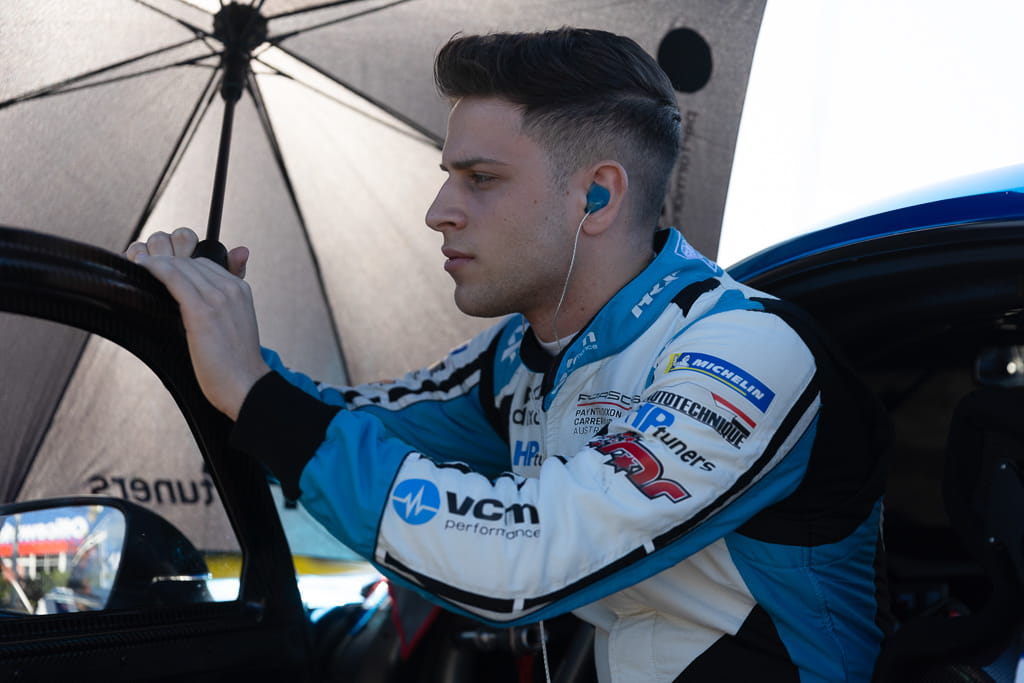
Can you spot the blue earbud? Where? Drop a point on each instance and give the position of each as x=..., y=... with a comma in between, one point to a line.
x=597, y=197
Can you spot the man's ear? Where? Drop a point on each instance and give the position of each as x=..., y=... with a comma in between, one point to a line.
x=603, y=197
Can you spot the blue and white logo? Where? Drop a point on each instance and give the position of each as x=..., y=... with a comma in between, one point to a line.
x=416, y=500
x=737, y=379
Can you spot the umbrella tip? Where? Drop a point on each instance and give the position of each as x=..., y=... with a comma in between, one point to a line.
x=239, y=27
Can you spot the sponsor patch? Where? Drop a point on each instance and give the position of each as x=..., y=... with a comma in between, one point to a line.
x=491, y=517
x=594, y=411
x=641, y=467
x=608, y=398
x=732, y=424
x=416, y=501
x=687, y=455
x=527, y=454
x=589, y=343
x=648, y=298
x=492, y=510
x=737, y=379
x=650, y=416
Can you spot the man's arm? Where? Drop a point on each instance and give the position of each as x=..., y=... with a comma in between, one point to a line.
x=217, y=312
x=663, y=484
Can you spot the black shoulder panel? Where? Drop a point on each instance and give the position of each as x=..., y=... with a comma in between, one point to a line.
x=845, y=476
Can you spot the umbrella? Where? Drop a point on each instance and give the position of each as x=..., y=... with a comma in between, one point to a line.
x=309, y=131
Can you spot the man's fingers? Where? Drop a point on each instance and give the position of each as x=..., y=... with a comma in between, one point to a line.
x=135, y=250
x=184, y=241
x=218, y=285
x=237, y=259
x=159, y=244
x=180, y=277
x=181, y=242
x=196, y=283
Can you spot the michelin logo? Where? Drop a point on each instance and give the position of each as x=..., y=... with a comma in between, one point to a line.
x=416, y=501
x=740, y=381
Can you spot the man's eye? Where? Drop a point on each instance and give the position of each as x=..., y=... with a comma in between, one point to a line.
x=480, y=178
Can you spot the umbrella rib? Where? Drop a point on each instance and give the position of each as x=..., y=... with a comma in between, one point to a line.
x=85, y=86
x=200, y=32
x=268, y=128
x=285, y=36
x=420, y=131
x=69, y=85
x=177, y=153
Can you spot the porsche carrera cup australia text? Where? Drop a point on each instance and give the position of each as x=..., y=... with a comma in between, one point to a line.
x=418, y=501
x=595, y=410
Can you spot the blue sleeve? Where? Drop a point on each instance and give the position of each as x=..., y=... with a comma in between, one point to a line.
x=433, y=409
x=445, y=412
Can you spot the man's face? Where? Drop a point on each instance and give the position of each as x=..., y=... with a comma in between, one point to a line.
x=507, y=230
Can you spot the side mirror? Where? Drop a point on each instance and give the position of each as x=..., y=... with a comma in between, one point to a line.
x=81, y=554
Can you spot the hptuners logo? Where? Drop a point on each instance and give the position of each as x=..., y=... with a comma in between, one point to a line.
x=416, y=500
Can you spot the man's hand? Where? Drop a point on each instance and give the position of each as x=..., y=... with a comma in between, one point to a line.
x=217, y=311
x=182, y=242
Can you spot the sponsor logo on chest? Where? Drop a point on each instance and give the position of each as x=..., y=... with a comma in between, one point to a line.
x=594, y=410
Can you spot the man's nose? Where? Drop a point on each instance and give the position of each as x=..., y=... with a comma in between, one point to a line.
x=444, y=212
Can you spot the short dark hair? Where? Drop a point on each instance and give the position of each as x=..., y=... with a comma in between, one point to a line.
x=586, y=95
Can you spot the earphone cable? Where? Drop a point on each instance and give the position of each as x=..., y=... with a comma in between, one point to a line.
x=565, y=287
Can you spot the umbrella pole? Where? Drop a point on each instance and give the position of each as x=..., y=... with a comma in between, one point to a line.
x=240, y=28
x=220, y=178
x=211, y=247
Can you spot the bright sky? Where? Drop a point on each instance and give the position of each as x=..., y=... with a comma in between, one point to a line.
x=850, y=103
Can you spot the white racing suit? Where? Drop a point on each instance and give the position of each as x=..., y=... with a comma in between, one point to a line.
x=691, y=475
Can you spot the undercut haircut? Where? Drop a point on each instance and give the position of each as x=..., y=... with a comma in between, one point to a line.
x=585, y=94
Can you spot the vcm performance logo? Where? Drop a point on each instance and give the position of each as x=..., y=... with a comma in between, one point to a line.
x=740, y=381
x=416, y=501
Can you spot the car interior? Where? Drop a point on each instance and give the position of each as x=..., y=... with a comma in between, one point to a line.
x=934, y=322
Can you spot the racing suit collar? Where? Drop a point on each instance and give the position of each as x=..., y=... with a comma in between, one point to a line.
x=627, y=315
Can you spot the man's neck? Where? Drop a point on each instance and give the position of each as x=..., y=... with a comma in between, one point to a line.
x=589, y=291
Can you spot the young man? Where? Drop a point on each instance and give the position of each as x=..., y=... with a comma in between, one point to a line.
x=643, y=440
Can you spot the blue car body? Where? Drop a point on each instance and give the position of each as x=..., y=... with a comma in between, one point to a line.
x=926, y=297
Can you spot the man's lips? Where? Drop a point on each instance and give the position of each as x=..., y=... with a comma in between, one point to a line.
x=455, y=258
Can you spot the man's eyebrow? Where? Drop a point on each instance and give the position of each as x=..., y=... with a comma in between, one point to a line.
x=463, y=164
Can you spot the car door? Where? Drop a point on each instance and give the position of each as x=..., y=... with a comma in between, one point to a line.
x=253, y=626
x=927, y=301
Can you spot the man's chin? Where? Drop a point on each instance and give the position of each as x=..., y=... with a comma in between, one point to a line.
x=473, y=306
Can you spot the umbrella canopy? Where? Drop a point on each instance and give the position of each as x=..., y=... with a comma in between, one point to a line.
x=111, y=122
